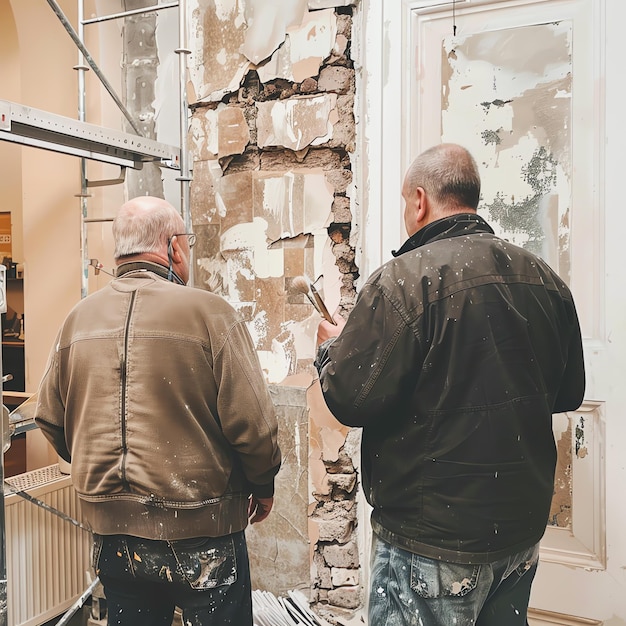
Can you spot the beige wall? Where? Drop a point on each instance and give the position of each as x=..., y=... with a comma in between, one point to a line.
x=10, y=155
x=40, y=186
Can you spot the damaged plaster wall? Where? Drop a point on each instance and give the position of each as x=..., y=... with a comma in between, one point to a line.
x=272, y=135
x=140, y=63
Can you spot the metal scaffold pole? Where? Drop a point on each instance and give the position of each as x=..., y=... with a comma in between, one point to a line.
x=81, y=68
x=5, y=441
x=185, y=170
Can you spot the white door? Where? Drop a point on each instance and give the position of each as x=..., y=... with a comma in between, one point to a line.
x=528, y=86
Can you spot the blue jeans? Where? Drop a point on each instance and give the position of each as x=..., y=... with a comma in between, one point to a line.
x=144, y=580
x=411, y=590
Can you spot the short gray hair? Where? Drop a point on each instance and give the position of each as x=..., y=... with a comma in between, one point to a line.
x=449, y=174
x=145, y=224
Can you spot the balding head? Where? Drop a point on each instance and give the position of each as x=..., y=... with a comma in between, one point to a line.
x=442, y=181
x=449, y=175
x=144, y=224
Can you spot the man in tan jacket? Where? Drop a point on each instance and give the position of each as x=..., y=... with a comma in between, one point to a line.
x=155, y=395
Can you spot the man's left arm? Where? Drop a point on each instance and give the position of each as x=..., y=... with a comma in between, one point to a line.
x=572, y=390
x=247, y=413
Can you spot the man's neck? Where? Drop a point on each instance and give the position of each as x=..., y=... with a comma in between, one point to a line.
x=141, y=262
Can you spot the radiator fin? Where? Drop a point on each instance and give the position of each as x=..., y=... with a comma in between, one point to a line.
x=48, y=558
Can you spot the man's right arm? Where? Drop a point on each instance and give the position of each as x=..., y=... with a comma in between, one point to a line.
x=366, y=371
x=50, y=409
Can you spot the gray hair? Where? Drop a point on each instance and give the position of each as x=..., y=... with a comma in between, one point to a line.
x=145, y=224
x=449, y=174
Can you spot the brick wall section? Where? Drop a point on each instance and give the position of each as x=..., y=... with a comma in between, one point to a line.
x=336, y=582
x=337, y=586
x=336, y=76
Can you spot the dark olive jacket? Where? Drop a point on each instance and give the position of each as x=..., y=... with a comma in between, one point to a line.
x=453, y=360
x=155, y=394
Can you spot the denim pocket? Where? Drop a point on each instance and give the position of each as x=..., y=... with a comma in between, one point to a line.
x=528, y=561
x=435, y=579
x=111, y=556
x=206, y=563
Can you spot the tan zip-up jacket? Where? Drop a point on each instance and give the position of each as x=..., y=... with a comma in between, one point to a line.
x=154, y=393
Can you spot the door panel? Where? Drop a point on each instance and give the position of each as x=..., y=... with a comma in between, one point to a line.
x=520, y=84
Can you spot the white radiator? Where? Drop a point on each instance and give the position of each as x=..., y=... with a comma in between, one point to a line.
x=47, y=557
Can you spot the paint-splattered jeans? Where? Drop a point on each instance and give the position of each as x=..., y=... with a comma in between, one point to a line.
x=410, y=590
x=144, y=580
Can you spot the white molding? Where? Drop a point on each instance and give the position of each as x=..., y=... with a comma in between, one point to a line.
x=537, y=617
x=583, y=545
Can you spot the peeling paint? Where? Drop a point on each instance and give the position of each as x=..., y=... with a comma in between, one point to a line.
x=304, y=49
x=325, y=4
x=203, y=138
x=292, y=202
x=217, y=32
x=579, y=434
x=297, y=122
x=252, y=236
x=562, y=499
x=267, y=24
x=520, y=106
x=273, y=161
x=232, y=131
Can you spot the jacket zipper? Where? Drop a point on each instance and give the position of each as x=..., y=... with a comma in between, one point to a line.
x=123, y=381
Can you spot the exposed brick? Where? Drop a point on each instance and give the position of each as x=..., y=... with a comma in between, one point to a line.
x=340, y=179
x=323, y=577
x=308, y=85
x=344, y=25
x=344, y=577
x=335, y=530
x=336, y=79
x=245, y=162
x=346, y=555
x=343, y=482
x=344, y=464
x=344, y=131
x=344, y=251
x=322, y=158
x=345, y=266
x=345, y=597
x=341, y=210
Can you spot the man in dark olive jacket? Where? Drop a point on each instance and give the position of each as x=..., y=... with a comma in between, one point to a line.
x=155, y=395
x=453, y=360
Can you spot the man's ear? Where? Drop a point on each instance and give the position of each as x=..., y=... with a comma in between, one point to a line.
x=422, y=205
x=416, y=211
x=176, y=250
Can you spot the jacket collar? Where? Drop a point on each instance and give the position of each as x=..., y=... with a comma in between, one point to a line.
x=148, y=266
x=444, y=228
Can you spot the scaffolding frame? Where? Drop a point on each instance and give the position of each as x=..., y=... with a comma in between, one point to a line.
x=41, y=129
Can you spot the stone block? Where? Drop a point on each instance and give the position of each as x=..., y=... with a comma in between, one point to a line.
x=337, y=79
x=345, y=597
x=344, y=577
x=337, y=555
x=343, y=482
x=338, y=530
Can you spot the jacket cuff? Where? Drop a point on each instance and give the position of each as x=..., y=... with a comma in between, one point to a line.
x=322, y=357
x=263, y=491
